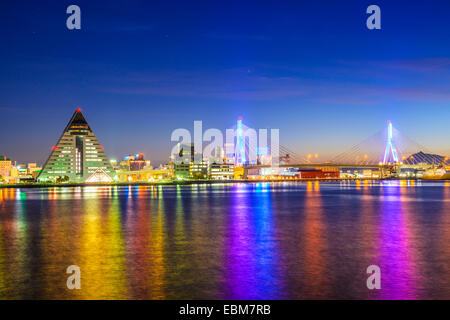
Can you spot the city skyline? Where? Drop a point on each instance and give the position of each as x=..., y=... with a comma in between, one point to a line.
x=138, y=77
x=238, y=152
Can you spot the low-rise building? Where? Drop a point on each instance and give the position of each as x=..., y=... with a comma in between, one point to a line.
x=5, y=166
x=222, y=171
x=135, y=162
x=199, y=170
x=239, y=173
x=182, y=171
x=319, y=174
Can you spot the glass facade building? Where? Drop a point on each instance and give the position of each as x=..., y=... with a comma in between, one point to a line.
x=77, y=156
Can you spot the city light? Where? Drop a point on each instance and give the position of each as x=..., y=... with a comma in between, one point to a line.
x=86, y=162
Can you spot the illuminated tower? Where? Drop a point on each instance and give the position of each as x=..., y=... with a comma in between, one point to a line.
x=78, y=156
x=390, y=146
x=240, y=147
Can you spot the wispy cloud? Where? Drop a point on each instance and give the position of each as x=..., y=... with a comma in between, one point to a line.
x=255, y=84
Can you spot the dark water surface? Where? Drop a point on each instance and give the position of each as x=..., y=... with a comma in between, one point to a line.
x=230, y=241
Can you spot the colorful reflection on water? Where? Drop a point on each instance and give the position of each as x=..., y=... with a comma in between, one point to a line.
x=227, y=241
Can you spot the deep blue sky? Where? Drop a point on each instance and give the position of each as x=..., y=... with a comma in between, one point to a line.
x=140, y=69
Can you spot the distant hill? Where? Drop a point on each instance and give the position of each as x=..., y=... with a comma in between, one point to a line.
x=422, y=157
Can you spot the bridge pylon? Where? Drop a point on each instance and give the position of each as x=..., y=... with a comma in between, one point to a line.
x=390, y=147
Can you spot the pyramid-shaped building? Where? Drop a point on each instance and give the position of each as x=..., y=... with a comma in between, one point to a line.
x=77, y=156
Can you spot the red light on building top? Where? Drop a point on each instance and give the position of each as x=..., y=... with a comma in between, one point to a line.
x=54, y=147
x=78, y=110
x=240, y=119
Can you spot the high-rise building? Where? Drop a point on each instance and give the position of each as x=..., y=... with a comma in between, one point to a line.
x=77, y=156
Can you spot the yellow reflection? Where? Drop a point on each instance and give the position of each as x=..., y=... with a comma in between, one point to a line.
x=366, y=185
x=314, y=243
x=156, y=266
x=101, y=252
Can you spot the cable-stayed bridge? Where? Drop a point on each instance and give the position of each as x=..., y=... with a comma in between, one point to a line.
x=385, y=151
x=386, y=148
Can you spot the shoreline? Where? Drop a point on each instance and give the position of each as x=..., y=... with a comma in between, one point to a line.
x=185, y=182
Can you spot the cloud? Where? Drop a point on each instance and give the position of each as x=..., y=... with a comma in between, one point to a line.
x=234, y=84
x=425, y=65
x=351, y=83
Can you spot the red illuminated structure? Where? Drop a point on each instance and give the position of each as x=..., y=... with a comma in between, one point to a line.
x=319, y=174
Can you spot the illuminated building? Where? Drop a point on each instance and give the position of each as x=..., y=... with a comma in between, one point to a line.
x=33, y=170
x=222, y=171
x=182, y=171
x=14, y=173
x=135, y=163
x=114, y=164
x=356, y=173
x=22, y=170
x=239, y=173
x=5, y=166
x=319, y=174
x=77, y=155
x=199, y=170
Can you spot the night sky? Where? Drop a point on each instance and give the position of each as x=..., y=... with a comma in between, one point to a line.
x=140, y=69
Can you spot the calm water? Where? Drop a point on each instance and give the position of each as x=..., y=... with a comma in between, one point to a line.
x=241, y=241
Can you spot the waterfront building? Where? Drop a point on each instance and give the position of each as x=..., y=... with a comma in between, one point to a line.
x=358, y=173
x=319, y=174
x=5, y=166
x=222, y=171
x=14, y=172
x=199, y=170
x=22, y=170
x=77, y=155
x=114, y=164
x=182, y=171
x=239, y=173
x=135, y=162
x=32, y=168
x=274, y=173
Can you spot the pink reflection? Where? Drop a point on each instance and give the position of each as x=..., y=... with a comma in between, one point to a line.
x=397, y=259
